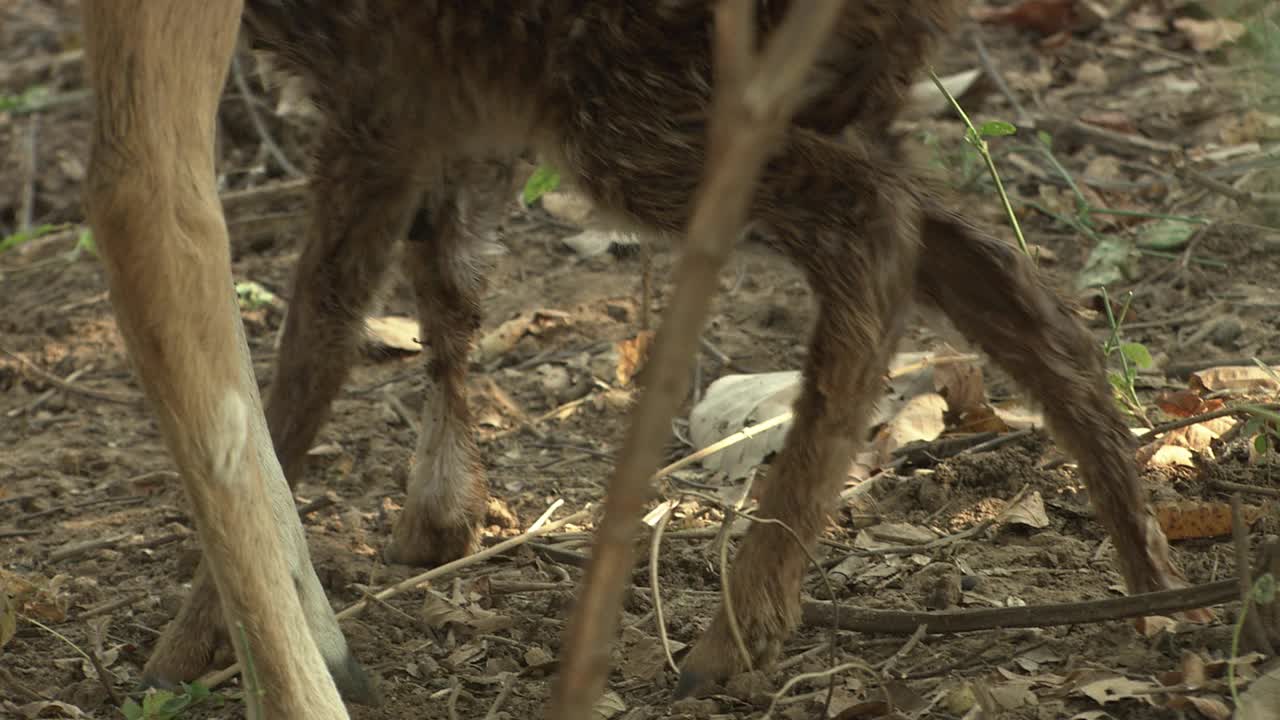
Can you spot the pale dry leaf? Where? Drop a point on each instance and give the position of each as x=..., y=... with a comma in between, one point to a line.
x=393, y=333
x=1117, y=687
x=504, y=338
x=45, y=709
x=1210, y=707
x=1029, y=511
x=1236, y=378
x=569, y=206
x=1209, y=35
x=1262, y=700
x=920, y=419
x=608, y=706
x=926, y=100
x=8, y=617
x=961, y=384
x=735, y=402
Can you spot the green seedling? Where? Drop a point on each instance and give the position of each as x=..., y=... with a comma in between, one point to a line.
x=543, y=180
x=168, y=705
x=1131, y=357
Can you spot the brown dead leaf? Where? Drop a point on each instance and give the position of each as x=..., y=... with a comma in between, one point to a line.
x=1199, y=519
x=44, y=600
x=1209, y=35
x=1046, y=17
x=983, y=418
x=1029, y=512
x=1112, y=688
x=633, y=353
x=1186, y=403
x=961, y=384
x=505, y=337
x=437, y=612
x=1109, y=119
x=1236, y=378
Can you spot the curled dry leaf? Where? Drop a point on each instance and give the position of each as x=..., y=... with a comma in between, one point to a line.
x=1209, y=35
x=633, y=353
x=1046, y=17
x=1196, y=519
x=1186, y=403
x=1029, y=511
x=438, y=612
x=503, y=338
x=1236, y=378
x=735, y=402
x=920, y=419
x=393, y=333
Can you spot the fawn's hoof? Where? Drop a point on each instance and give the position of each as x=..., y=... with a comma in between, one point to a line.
x=416, y=541
x=355, y=684
x=716, y=657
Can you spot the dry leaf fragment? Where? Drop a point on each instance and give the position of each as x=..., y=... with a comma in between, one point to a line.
x=1235, y=377
x=1047, y=17
x=393, y=333
x=504, y=337
x=632, y=356
x=1028, y=511
x=1117, y=687
x=1197, y=519
x=920, y=419
x=1209, y=35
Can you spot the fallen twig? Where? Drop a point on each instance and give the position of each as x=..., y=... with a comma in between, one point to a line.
x=45, y=375
x=818, y=613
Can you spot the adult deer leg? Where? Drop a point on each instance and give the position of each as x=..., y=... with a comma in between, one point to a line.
x=158, y=69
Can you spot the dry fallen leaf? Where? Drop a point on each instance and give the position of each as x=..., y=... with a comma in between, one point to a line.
x=1186, y=403
x=1047, y=17
x=1029, y=511
x=632, y=356
x=1209, y=35
x=1198, y=519
x=961, y=384
x=735, y=402
x=393, y=333
x=1235, y=377
x=504, y=337
x=1117, y=687
x=920, y=419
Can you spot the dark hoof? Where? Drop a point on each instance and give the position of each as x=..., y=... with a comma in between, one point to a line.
x=355, y=684
x=690, y=683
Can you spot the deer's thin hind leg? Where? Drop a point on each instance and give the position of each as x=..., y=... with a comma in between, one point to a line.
x=447, y=489
x=157, y=70
x=363, y=198
x=995, y=296
x=852, y=226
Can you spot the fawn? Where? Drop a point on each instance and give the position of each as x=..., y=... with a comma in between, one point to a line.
x=615, y=95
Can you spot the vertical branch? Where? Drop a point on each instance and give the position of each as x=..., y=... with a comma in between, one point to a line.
x=752, y=104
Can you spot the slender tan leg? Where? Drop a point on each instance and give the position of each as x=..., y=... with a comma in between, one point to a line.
x=158, y=68
x=852, y=226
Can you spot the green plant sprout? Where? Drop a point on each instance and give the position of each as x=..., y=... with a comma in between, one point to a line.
x=977, y=138
x=167, y=705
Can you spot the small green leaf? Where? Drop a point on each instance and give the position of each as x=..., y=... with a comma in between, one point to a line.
x=1165, y=235
x=1045, y=138
x=1106, y=262
x=131, y=709
x=1264, y=589
x=1261, y=444
x=24, y=236
x=252, y=296
x=85, y=242
x=1137, y=354
x=997, y=128
x=544, y=180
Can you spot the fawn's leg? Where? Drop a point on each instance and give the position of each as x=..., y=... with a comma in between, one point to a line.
x=447, y=487
x=364, y=196
x=995, y=296
x=853, y=228
x=157, y=70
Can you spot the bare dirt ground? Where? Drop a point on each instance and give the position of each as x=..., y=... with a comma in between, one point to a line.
x=1158, y=111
